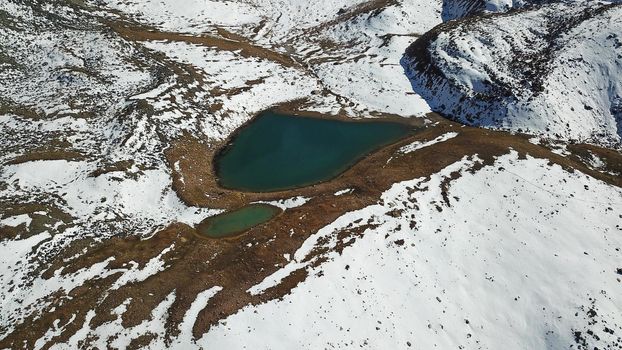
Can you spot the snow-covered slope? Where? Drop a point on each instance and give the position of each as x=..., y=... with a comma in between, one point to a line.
x=104, y=103
x=552, y=69
x=528, y=265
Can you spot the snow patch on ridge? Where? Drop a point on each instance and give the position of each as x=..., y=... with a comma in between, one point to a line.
x=417, y=145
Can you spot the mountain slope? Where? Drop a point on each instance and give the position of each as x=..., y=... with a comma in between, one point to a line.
x=111, y=114
x=549, y=69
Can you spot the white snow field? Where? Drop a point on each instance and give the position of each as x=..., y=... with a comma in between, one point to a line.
x=550, y=70
x=190, y=16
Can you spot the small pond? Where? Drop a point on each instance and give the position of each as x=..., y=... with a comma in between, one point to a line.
x=277, y=152
x=236, y=222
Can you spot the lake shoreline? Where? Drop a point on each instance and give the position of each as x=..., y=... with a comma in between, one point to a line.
x=276, y=113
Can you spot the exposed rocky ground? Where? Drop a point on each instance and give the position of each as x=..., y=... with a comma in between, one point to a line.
x=456, y=237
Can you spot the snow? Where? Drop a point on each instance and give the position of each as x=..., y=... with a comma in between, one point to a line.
x=344, y=191
x=185, y=338
x=80, y=334
x=119, y=337
x=13, y=252
x=22, y=298
x=14, y=221
x=290, y=17
x=417, y=145
x=275, y=279
x=548, y=70
x=229, y=71
x=146, y=201
x=154, y=93
x=53, y=332
x=192, y=16
x=147, y=198
x=374, y=79
x=288, y=203
x=114, y=334
x=116, y=104
x=596, y=162
x=136, y=274
x=504, y=268
x=61, y=81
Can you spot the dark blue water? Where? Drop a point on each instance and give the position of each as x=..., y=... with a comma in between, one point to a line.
x=276, y=152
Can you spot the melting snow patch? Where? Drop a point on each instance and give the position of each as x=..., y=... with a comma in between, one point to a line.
x=136, y=274
x=276, y=278
x=185, y=339
x=342, y=192
x=17, y=220
x=419, y=145
x=289, y=203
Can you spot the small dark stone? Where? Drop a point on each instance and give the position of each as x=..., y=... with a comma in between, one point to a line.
x=591, y=313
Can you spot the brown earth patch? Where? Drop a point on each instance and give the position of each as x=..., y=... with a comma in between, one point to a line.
x=46, y=155
x=44, y=218
x=612, y=159
x=56, y=148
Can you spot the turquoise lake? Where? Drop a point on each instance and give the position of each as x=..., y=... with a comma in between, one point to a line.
x=277, y=152
x=236, y=222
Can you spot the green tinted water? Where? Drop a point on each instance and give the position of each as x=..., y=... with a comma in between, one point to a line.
x=235, y=222
x=276, y=152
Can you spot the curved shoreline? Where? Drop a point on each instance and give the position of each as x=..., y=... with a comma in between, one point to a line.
x=229, y=142
x=207, y=222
